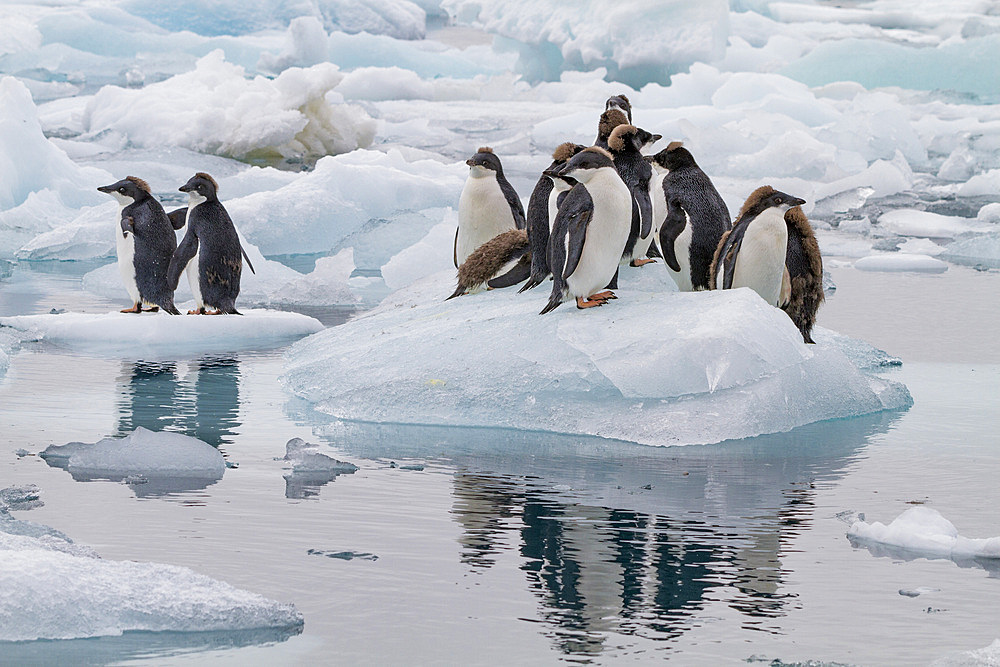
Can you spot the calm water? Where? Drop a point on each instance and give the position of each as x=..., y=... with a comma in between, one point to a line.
x=478, y=546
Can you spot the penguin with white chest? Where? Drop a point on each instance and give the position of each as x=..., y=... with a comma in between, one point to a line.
x=625, y=144
x=690, y=214
x=752, y=254
x=589, y=232
x=145, y=242
x=487, y=207
x=210, y=252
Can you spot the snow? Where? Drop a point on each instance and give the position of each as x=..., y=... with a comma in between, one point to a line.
x=901, y=262
x=54, y=589
x=988, y=656
x=433, y=253
x=923, y=532
x=156, y=335
x=702, y=368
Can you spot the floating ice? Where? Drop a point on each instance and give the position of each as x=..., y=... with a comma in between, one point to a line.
x=701, y=368
x=908, y=222
x=19, y=498
x=923, y=532
x=982, y=657
x=901, y=262
x=10, y=339
x=978, y=250
x=52, y=590
x=311, y=469
x=149, y=335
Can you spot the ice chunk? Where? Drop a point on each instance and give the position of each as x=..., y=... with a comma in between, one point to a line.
x=982, y=657
x=977, y=250
x=90, y=235
x=52, y=594
x=432, y=254
x=901, y=262
x=10, y=340
x=311, y=469
x=862, y=354
x=909, y=222
x=923, y=532
x=19, y=498
x=149, y=335
x=702, y=368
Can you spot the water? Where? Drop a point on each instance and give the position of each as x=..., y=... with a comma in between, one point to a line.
x=479, y=546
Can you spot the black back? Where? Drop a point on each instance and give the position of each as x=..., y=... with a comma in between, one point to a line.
x=538, y=228
x=486, y=158
x=155, y=243
x=636, y=172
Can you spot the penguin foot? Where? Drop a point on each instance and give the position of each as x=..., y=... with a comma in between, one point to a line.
x=604, y=296
x=641, y=262
x=134, y=309
x=154, y=309
x=214, y=312
x=582, y=303
x=197, y=311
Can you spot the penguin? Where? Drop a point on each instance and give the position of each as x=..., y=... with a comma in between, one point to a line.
x=145, y=243
x=590, y=230
x=484, y=265
x=752, y=253
x=542, y=207
x=178, y=217
x=621, y=103
x=804, y=270
x=210, y=252
x=691, y=216
x=488, y=205
x=625, y=144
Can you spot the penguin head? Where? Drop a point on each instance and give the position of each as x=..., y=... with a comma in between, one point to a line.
x=629, y=138
x=674, y=156
x=621, y=103
x=585, y=164
x=128, y=190
x=610, y=119
x=766, y=197
x=201, y=187
x=484, y=163
x=565, y=151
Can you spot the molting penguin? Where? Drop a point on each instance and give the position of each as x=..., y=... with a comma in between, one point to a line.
x=625, y=144
x=752, y=253
x=487, y=263
x=690, y=214
x=542, y=208
x=590, y=230
x=804, y=270
x=610, y=119
x=145, y=242
x=621, y=103
x=487, y=207
x=210, y=251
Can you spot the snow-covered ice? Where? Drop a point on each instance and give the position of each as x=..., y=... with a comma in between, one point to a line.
x=652, y=367
x=901, y=262
x=923, y=532
x=158, y=334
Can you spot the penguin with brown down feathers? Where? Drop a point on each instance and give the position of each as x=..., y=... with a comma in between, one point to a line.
x=484, y=266
x=610, y=119
x=752, y=254
x=625, y=145
x=487, y=207
x=803, y=293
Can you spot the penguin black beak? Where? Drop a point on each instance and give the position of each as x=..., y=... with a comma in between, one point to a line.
x=106, y=188
x=797, y=202
x=656, y=137
x=469, y=162
x=185, y=188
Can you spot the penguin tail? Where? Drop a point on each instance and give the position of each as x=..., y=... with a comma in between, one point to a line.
x=532, y=283
x=459, y=291
x=553, y=303
x=171, y=308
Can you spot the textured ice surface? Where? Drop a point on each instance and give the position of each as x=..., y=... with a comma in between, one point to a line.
x=906, y=222
x=657, y=368
x=53, y=589
x=982, y=657
x=10, y=339
x=143, y=452
x=901, y=262
x=984, y=250
x=148, y=335
x=923, y=531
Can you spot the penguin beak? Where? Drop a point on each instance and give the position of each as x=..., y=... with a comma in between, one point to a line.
x=797, y=202
x=106, y=188
x=186, y=188
x=469, y=162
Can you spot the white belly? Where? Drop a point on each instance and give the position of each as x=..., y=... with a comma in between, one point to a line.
x=761, y=260
x=483, y=213
x=659, y=202
x=606, y=235
x=682, y=250
x=193, y=280
x=125, y=248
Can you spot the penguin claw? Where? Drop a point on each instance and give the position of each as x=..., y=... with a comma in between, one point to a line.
x=641, y=262
x=197, y=311
x=582, y=302
x=134, y=309
x=604, y=296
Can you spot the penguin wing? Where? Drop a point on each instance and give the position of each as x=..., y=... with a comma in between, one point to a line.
x=645, y=211
x=730, y=251
x=516, y=208
x=127, y=223
x=178, y=217
x=671, y=228
x=577, y=220
x=796, y=261
x=454, y=249
x=247, y=259
x=187, y=249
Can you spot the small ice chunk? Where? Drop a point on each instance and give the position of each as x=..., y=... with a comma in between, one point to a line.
x=901, y=262
x=20, y=498
x=923, y=531
x=306, y=457
x=910, y=222
x=977, y=250
x=917, y=592
x=982, y=657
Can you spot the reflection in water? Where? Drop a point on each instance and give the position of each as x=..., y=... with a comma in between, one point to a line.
x=879, y=550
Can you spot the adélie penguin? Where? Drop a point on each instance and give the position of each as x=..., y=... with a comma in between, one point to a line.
x=500, y=262
x=210, y=252
x=690, y=214
x=802, y=294
x=625, y=144
x=488, y=205
x=752, y=253
x=590, y=230
x=145, y=242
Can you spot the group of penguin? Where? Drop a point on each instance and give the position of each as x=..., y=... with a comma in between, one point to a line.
x=596, y=208
x=151, y=261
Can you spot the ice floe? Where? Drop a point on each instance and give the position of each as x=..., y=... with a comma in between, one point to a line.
x=923, y=532
x=154, y=335
x=978, y=250
x=311, y=469
x=659, y=368
x=901, y=262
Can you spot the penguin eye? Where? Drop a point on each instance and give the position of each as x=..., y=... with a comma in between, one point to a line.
x=121, y=190
x=779, y=200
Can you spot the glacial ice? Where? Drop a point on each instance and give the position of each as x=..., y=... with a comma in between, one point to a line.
x=923, y=532
x=54, y=589
x=901, y=262
x=977, y=250
x=701, y=368
x=154, y=335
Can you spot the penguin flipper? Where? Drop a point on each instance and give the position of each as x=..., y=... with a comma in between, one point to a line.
x=178, y=217
x=185, y=252
x=454, y=251
x=671, y=228
x=577, y=232
x=730, y=251
x=645, y=213
x=516, y=207
x=518, y=273
x=247, y=259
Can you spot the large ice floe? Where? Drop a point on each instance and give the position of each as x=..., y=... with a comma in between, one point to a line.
x=56, y=589
x=158, y=334
x=653, y=367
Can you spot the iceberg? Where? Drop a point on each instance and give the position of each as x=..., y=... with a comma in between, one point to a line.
x=653, y=367
x=155, y=335
x=978, y=250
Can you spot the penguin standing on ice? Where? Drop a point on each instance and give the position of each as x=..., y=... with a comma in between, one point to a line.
x=487, y=207
x=590, y=230
x=752, y=253
x=690, y=214
x=625, y=144
x=803, y=292
x=210, y=252
x=502, y=261
x=542, y=208
x=145, y=242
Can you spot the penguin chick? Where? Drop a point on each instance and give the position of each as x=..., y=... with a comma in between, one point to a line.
x=610, y=119
x=488, y=205
x=625, y=144
x=210, y=252
x=542, y=209
x=144, y=243
x=484, y=265
x=752, y=254
x=590, y=230
x=621, y=103
x=804, y=266
x=687, y=249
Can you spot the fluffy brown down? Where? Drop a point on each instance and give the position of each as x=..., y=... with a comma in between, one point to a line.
x=598, y=149
x=807, y=289
x=800, y=224
x=714, y=268
x=208, y=178
x=141, y=184
x=484, y=149
x=488, y=259
x=760, y=193
x=564, y=152
x=616, y=141
x=611, y=119
x=674, y=145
